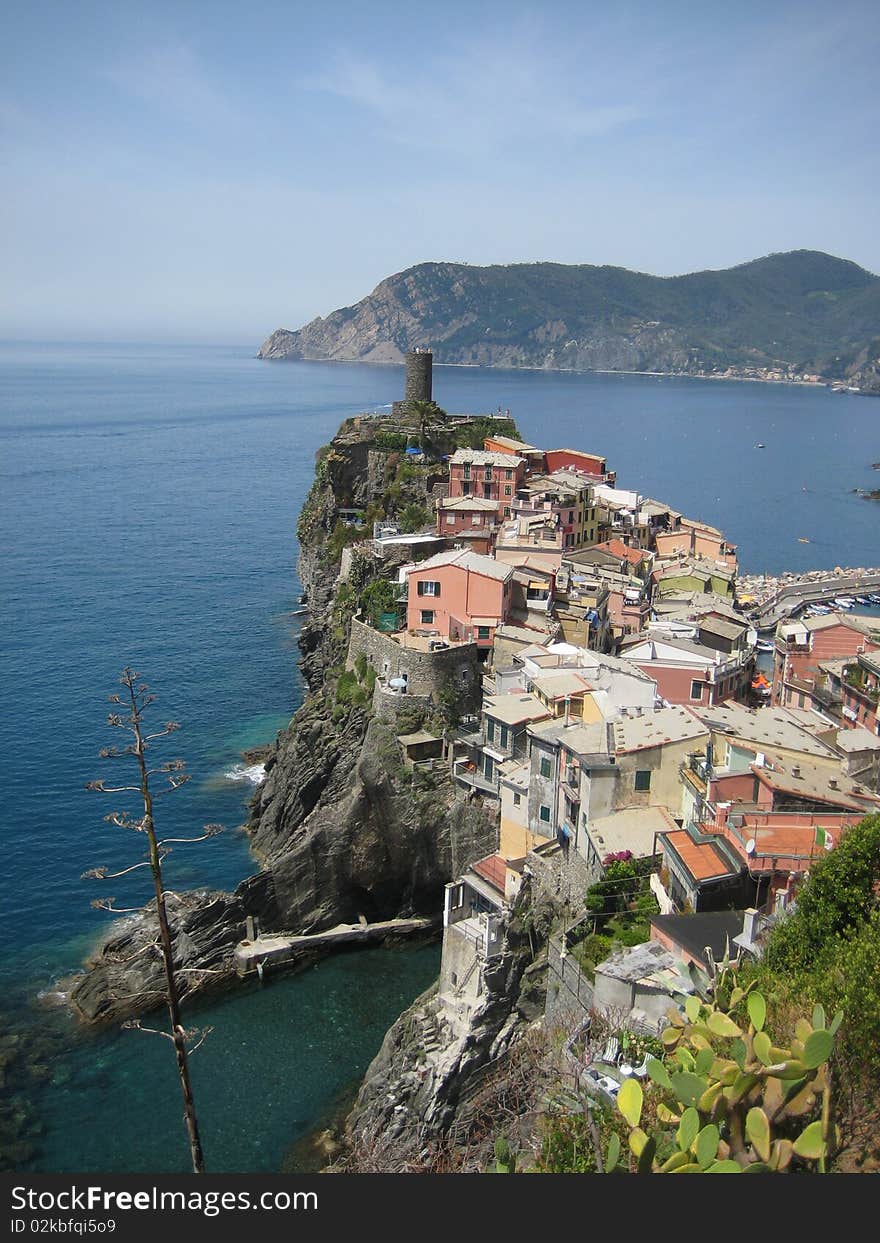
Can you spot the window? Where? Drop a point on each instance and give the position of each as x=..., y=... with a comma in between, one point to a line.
x=643, y=779
x=427, y=587
x=466, y=474
x=465, y=489
x=697, y=690
x=475, y=520
x=506, y=511
x=507, y=489
x=570, y=516
x=483, y=632
x=544, y=813
x=508, y=474
x=427, y=617
x=487, y=473
x=546, y=767
x=517, y=799
x=505, y=735
x=450, y=520
x=490, y=729
x=487, y=491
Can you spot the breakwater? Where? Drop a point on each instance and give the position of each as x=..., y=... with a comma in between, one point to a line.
x=771, y=598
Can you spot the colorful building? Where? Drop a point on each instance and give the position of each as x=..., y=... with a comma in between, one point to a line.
x=459, y=595
x=800, y=646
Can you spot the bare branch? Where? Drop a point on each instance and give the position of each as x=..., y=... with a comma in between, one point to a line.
x=202, y=1033
x=137, y=1025
x=101, y=873
x=211, y=830
x=106, y=904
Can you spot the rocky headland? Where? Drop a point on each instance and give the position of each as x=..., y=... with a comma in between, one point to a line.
x=797, y=317
x=340, y=829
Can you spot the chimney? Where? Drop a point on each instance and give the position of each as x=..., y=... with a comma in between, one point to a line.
x=750, y=925
x=832, y=783
x=721, y=812
x=795, y=770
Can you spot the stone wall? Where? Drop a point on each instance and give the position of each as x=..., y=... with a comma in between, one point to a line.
x=563, y=879
x=569, y=992
x=428, y=673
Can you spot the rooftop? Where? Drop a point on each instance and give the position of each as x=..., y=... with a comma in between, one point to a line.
x=702, y=860
x=694, y=933
x=482, y=457
x=509, y=443
x=468, y=503
x=858, y=739
x=764, y=727
x=813, y=781
x=617, y=548
x=638, y=962
x=631, y=829
x=720, y=626
x=855, y=621
x=675, y=650
x=491, y=869
x=558, y=684
x=514, y=709
x=464, y=559
x=654, y=729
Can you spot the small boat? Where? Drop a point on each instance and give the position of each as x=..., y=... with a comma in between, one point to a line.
x=844, y=602
x=863, y=600
x=803, y=540
x=764, y=646
x=821, y=609
x=875, y=599
x=760, y=446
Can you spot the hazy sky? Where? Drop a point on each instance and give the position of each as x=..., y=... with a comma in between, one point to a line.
x=211, y=171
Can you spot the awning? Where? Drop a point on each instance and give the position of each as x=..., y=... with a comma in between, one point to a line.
x=498, y=756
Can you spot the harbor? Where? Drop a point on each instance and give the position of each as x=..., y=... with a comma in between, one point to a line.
x=771, y=599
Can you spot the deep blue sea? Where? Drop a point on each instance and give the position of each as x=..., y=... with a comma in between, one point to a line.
x=149, y=502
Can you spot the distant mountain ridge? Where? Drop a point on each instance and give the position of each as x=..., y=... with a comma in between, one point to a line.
x=793, y=315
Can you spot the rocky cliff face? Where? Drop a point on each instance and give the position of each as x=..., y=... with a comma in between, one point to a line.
x=797, y=313
x=339, y=827
x=419, y=1085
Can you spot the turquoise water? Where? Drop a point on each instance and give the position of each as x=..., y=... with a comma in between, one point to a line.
x=149, y=502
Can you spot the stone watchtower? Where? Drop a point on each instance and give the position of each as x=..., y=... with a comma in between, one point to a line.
x=419, y=369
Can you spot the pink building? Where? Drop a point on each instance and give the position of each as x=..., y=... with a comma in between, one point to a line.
x=587, y=463
x=489, y=476
x=695, y=539
x=460, y=595
x=466, y=515
x=801, y=645
x=688, y=673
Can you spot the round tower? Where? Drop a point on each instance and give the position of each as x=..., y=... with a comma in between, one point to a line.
x=419, y=370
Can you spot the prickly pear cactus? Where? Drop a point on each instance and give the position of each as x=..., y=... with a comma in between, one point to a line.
x=729, y=1100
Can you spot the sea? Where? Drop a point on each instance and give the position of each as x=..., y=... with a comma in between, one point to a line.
x=149, y=503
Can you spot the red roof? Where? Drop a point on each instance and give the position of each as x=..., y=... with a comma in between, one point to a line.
x=701, y=859
x=492, y=869
x=617, y=548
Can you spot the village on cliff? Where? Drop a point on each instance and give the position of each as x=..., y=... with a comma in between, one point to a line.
x=612, y=712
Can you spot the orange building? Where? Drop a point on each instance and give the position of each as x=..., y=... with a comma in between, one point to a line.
x=460, y=595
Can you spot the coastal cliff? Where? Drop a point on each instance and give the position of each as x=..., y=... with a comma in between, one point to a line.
x=801, y=315
x=340, y=828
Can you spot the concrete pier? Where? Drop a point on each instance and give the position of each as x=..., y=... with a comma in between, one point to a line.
x=791, y=599
x=280, y=948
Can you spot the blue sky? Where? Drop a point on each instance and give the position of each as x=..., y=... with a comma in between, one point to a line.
x=189, y=171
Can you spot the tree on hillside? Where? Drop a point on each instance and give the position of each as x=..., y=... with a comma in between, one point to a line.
x=128, y=715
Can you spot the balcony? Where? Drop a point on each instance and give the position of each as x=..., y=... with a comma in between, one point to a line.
x=466, y=772
x=695, y=772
